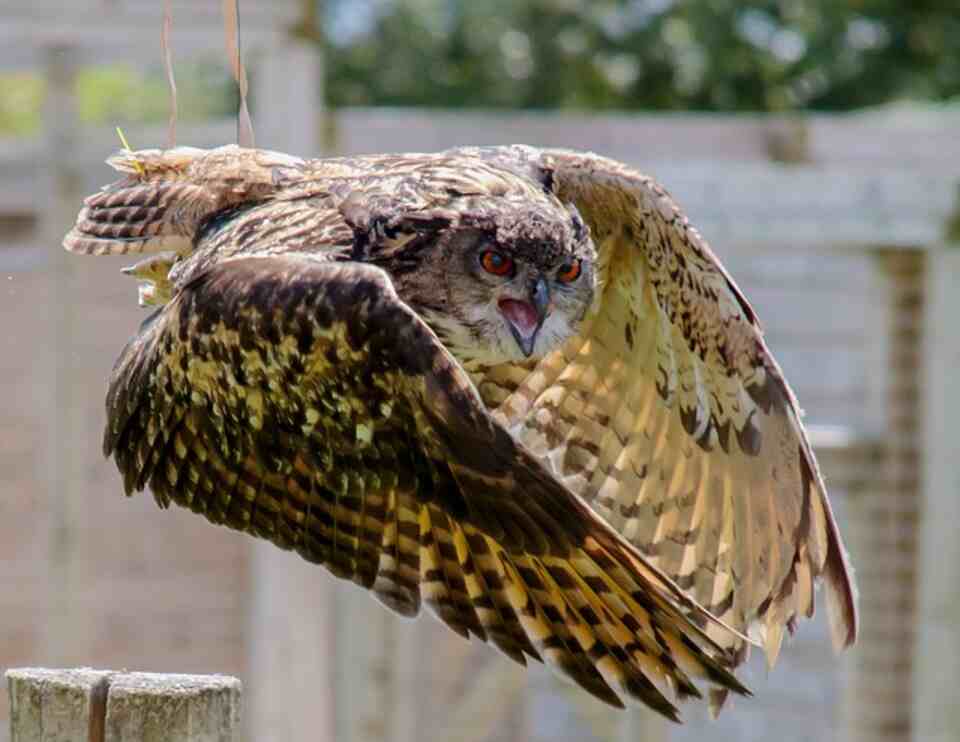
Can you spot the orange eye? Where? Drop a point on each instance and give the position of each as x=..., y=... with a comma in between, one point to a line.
x=496, y=263
x=569, y=273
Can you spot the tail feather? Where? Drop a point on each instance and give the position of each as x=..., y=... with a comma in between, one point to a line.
x=167, y=195
x=134, y=217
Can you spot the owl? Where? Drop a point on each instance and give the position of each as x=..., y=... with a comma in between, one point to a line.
x=512, y=384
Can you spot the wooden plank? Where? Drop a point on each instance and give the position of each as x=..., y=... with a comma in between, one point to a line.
x=883, y=139
x=365, y=130
x=152, y=707
x=104, y=706
x=878, y=531
x=816, y=267
x=923, y=136
x=494, y=691
x=742, y=203
x=802, y=206
x=67, y=625
x=809, y=366
x=56, y=705
x=936, y=713
x=290, y=645
x=131, y=30
x=95, y=143
x=793, y=208
x=363, y=663
x=826, y=310
x=126, y=11
x=291, y=642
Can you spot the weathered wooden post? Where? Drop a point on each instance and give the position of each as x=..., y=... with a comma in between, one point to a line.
x=57, y=705
x=66, y=621
x=103, y=706
x=291, y=642
x=936, y=713
x=883, y=526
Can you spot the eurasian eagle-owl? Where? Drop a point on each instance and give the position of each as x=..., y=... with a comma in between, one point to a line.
x=512, y=383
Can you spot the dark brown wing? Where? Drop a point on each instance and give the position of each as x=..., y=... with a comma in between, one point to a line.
x=671, y=417
x=304, y=403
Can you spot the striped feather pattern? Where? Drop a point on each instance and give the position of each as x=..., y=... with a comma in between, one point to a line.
x=332, y=435
x=670, y=416
x=643, y=496
x=166, y=195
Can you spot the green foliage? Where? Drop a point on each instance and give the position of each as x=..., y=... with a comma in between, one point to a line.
x=762, y=55
x=721, y=55
x=120, y=94
x=21, y=96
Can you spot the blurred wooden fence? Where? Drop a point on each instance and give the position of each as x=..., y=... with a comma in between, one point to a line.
x=837, y=228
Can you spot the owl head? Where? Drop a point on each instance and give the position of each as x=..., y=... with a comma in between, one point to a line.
x=497, y=278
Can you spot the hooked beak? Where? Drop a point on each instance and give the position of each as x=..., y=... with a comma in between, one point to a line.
x=526, y=317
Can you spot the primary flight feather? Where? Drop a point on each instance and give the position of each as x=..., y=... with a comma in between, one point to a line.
x=513, y=384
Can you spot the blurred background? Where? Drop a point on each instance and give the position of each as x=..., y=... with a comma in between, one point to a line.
x=815, y=143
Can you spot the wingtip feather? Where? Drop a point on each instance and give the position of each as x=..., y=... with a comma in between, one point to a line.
x=841, y=596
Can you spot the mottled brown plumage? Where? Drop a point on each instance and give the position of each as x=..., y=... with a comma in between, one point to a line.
x=335, y=373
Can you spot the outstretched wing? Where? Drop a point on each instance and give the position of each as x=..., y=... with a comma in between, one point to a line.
x=670, y=416
x=304, y=403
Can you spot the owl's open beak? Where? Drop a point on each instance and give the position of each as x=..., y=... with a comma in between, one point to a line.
x=526, y=317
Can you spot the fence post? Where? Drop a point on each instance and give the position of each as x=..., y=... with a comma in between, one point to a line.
x=882, y=526
x=291, y=642
x=936, y=715
x=104, y=706
x=66, y=622
x=151, y=707
x=57, y=705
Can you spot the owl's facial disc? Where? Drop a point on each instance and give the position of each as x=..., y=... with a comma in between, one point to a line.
x=497, y=300
x=525, y=318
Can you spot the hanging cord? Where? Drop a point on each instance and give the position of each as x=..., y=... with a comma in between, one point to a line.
x=231, y=27
x=168, y=65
